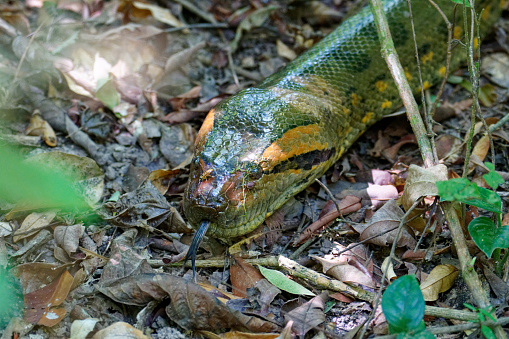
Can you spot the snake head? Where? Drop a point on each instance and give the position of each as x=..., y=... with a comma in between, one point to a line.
x=253, y=152
x=222, y=195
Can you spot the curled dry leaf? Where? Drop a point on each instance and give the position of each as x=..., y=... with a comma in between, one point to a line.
x=68, y=237
x=143, y=207
x=34, y=276
x=346, y=273
x=420, y=182
x=267, y=294
x=388, y=268
x=350, y=266
x=81, y=328
x=159, y=13
x=481, y=148
x=190, y=306
x=382, y=228
x=162, y=179
x=439, y=280
x=308, y=315
x=448, y=146
x=254, y=19
x=120, y=330
x=40, y=127
x=33, y=223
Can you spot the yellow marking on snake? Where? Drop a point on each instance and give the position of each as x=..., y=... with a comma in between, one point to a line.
x=387, y=104
x=205, y=129
x=367, y=117
x=427, y=57
x=287, y=147
x=408, y=75
x=458, y=31
x=381, y=85
x=425, y=85
x=355, y=99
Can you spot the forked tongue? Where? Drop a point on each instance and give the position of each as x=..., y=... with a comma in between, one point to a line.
x=195, y=244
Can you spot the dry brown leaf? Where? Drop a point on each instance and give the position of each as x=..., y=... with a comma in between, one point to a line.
x=498, y=285
x=68, y=237
x=33, y=223
x=34, y=276
x=190, y=306
x=243, y=276
x=162, y=179
x=480, y=150
x=348, y=266
x=391, y=153
x=40, y=127
x=420, y=182
x=439, y=280
x=222, y=296
x=159, y=13
x=496, y=66
x=285, y=51
x=381, y=144
x=40, y=304
x=308, y=315
x=388, y=268
x=267, y=294
x=377, y=230
x=120, y=330
x=445, y=144
x=349, y=273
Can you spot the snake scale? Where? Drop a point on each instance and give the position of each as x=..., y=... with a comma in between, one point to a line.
x=263, y=145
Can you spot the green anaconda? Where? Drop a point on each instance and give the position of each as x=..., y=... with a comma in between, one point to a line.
x=263, y=145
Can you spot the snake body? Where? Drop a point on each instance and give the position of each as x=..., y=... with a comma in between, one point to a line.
x=263, y=145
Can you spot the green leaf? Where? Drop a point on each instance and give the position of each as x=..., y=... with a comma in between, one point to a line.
x=492, y=178
x=470, y=307
x=487, y=236
x=107, y=93
x=460, y=2
x=464, y=191
x=12, y=298
x=488, y=332
x=454, y=79
x=403, y=305
x=329, y=305
x=280, y=280
x=486, y=313
x=35, y=185
x=416, y=335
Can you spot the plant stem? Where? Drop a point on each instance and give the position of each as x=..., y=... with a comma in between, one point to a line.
x=391, y=57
